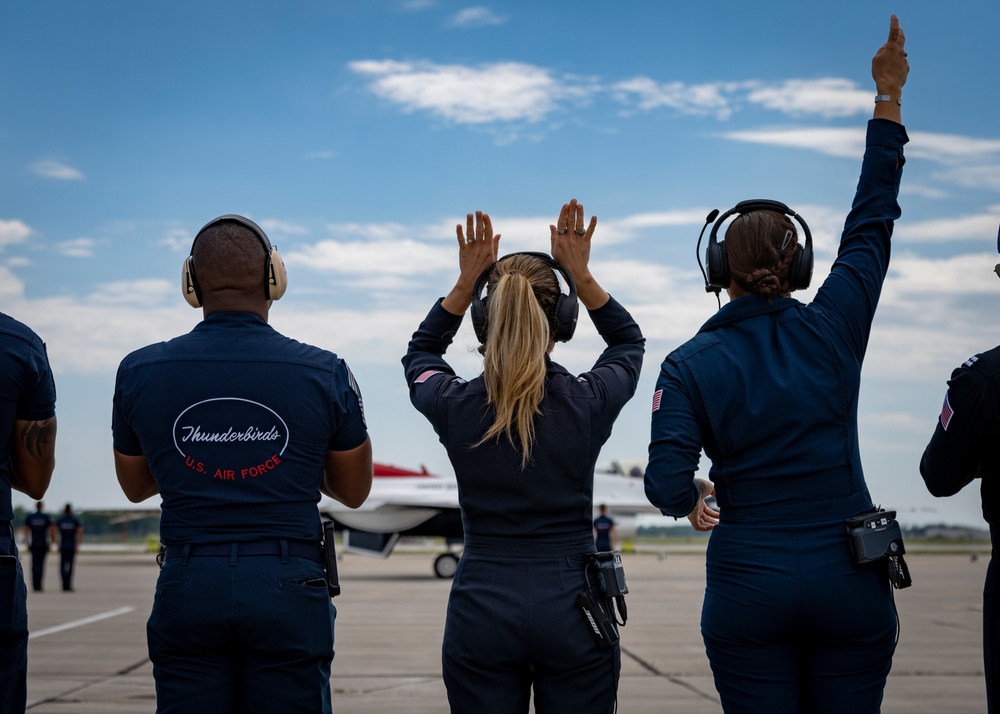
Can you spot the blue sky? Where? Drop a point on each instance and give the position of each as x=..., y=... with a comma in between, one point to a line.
x=359, y=133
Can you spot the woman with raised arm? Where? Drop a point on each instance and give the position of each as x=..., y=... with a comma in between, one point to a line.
x=523, y=439
x=769, y=389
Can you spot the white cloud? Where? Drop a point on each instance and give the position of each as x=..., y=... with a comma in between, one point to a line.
x=178, y=240
x=501, y=92
x=827, y=97
x=77, y=247
x=402, y=257
x=981, y=226
x=11, y=288
x=698, y=100
x=56, y=170
x=13, y=231
x=950, y=148
x=480, y=16
x=849, y=143
x=273, y=227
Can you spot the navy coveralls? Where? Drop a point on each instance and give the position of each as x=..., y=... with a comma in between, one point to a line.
x=69, y=527
x=27, y=392
x=40, y=525
x=236, y=421
x=512, y=621
x=769, y=388
x=966, y=446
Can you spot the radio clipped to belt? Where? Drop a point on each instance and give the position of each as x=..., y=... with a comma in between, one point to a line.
x=876, y=536
x=330, y=559
x=606, y=590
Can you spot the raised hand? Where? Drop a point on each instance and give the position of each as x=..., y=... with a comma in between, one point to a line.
x=890, y=69
x=570, y=239
x=477, y=251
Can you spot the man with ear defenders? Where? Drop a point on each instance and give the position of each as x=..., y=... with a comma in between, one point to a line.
x=966, y=446
x=239, y=429
x=769, y=389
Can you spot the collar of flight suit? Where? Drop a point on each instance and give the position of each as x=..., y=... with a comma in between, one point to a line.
x=746, y=307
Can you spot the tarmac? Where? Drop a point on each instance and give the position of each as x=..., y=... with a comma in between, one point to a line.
x=87, y=652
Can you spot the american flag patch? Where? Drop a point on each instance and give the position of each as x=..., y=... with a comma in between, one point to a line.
x=426, y=375
x=946, y=413
x=657, y=396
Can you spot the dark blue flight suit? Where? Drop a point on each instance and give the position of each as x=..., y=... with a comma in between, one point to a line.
x=966, y=446
x=40, y=526
x=69, y=527
x=769, y=388
x=27, y=392
x=236, y=421
x=512, y=622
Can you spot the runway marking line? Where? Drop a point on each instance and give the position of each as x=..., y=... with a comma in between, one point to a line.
x=79, y=623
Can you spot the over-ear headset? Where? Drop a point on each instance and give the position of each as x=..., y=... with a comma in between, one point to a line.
x=275, y=277
x=717, y=278
x=563, y=316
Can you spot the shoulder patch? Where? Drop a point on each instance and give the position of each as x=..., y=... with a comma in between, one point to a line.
x=357, y=392
x=424, y=376
x=971, y=361
x=946, y=413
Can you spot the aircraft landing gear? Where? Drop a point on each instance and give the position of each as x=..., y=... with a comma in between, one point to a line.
x=445, y=565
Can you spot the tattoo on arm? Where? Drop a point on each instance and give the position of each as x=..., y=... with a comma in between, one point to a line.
x=39, y=438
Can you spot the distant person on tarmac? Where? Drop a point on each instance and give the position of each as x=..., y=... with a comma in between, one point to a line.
x=39, y=528
x=70, y=529
x=605, y=530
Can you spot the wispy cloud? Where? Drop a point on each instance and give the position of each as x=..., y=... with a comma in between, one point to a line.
x=56, y=170
x=276, y=228
x=77, y=247
x=845, y=143
x=980, y=226
x=695, y=99
x=480, y=16
x=826, y=97
x=484, y=94
x=13, y=231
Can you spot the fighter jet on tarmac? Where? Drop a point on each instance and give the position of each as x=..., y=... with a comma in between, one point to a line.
x=418, y=503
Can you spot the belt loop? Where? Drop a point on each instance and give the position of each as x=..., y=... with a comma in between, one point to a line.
x=232, y=554
x=185, y=554
x=284, y=551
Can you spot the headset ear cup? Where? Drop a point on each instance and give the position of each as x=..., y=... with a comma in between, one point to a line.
x=277, y=278
x=800, y=273
x=189, y=284
x=717, y=264
x=567, y=311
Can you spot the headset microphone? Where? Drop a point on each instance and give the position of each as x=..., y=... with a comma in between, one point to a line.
x=697, y=253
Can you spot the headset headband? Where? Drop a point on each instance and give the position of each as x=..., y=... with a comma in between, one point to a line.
x=564, y=315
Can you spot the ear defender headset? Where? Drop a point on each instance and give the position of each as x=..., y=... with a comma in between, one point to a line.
x=275, y=277
x=717, y=278
x=566, y=310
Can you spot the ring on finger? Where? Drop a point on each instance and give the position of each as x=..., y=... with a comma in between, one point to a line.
x=561, y=231
x=580, y=233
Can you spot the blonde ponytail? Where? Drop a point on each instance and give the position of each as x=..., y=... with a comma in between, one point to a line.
x=519, y=336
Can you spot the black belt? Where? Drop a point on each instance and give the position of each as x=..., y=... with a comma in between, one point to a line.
x=298, y=549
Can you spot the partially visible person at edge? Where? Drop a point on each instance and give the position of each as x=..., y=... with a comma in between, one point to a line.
x=769, y=388
x=70, y=529
x=605, y=530
x=238, y=429
x=966, y=446
x=27, y=459
x=523, y=439
x=38, y=527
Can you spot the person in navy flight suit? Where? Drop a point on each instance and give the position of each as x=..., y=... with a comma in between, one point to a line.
x=769, y=389
x=27, y=459
x=70, y=529
x=523, y=439
x=605, y=530
x=39, y=529
x=966, y=446
x=238, y=429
